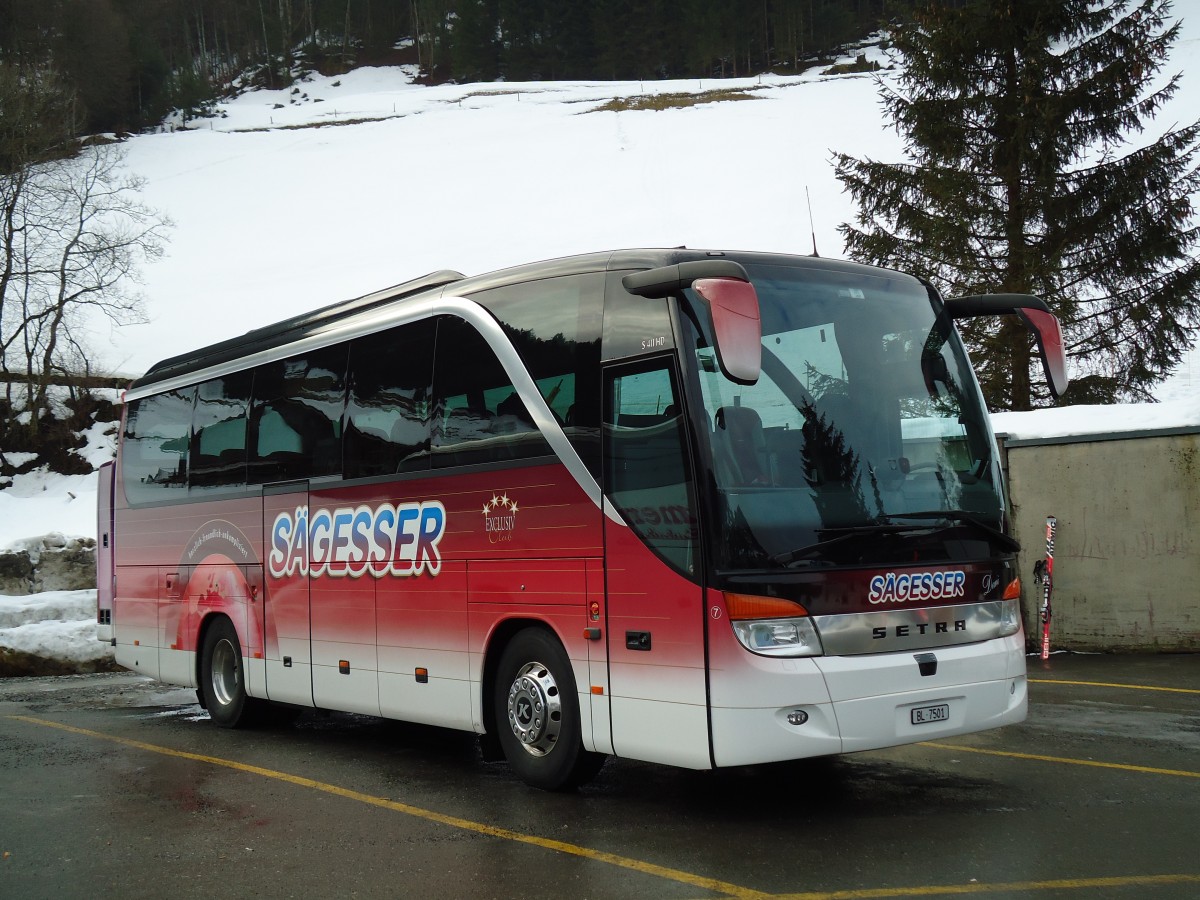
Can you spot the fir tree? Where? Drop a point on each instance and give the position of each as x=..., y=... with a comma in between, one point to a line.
x=475, y=49
x=1030, y=172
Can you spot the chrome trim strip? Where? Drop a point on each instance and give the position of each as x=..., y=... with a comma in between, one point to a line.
x=403, y=314
x=887, y=631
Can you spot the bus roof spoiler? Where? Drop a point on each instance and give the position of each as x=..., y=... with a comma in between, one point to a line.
x=1036, y=315
x=732, y=301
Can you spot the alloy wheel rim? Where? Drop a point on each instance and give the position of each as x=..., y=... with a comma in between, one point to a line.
x=535, y=709
x=225, y=675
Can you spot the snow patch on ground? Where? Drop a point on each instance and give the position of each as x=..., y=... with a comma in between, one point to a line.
x=58, y=625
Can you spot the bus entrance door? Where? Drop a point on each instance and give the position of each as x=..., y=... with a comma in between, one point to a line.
x=658, y=692
x=287, y=649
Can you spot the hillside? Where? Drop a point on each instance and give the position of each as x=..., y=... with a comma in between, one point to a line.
x=288, y=200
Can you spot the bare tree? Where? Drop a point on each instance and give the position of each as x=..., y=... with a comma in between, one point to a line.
x=74, y=236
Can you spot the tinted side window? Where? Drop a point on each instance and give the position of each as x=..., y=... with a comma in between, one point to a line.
x=646, y=465
x=387, y=417
x=555, y=325
x=218, y=446
x=478, y=416
x=296, y=418
x=154, y=452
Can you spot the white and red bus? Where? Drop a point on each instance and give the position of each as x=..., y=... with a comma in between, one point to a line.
x=698, y=508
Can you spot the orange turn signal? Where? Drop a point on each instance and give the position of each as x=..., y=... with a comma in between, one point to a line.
x=749, y=606
x=1013, y=591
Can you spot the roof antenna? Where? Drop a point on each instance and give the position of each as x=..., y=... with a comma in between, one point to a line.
x=811, y=224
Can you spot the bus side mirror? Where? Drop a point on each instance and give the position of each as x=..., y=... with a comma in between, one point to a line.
x=1033, y=311
x=737, y=326
x=1047, y=332
x=732, y=301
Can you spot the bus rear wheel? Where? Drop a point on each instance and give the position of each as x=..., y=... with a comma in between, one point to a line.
x=222, y=678
x=536, y=710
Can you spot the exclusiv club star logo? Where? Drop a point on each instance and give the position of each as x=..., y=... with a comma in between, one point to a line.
x=500, y=518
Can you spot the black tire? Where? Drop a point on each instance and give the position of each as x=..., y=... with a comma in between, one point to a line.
x=536, y=710
x=222, y=679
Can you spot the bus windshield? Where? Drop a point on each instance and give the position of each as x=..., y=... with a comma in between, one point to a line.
x=865, y=436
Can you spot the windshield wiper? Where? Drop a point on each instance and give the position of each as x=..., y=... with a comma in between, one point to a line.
x=960, y=517
x=847, y=533
x=887, y=525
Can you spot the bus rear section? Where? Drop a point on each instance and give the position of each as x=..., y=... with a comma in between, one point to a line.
x=105, y=551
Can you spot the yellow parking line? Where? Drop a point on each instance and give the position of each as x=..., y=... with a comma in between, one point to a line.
x=1130, y=687
x=1148, y=770
x=635, y=865
x=998, y=888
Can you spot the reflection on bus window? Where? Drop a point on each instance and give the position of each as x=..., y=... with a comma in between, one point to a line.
x=865, y=410
x=555, y=323
x=387, y=416
x=155, y=447
x=218, y=449
x=480, y=418
x=296, y=417
x=646, y=471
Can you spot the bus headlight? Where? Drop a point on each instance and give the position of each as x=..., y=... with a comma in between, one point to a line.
x=1010, y=617
x=779, y=637
x=772, y=627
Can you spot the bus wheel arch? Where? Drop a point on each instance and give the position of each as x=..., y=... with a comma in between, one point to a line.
x=532, y=707
x=500, y=637
x=221, y=681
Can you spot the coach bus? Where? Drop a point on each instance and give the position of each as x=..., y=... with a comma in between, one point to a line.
x=698, y=508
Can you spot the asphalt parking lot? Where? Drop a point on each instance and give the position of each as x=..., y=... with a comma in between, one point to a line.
x=114, y=786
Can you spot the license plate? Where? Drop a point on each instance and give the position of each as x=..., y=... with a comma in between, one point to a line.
x=923, y=715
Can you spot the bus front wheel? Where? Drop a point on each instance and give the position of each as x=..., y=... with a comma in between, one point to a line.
x=222, y=678
x=537, y=714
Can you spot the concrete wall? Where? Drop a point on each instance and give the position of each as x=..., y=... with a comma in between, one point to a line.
x=1127, y=551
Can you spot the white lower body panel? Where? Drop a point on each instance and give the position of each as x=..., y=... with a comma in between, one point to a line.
x=867, y=702
x=656, y=731
x=887, y=721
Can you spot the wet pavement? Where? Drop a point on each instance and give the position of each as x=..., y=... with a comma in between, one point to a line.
x=115, y=786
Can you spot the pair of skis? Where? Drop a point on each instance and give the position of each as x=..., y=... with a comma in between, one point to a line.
x=1043, y=574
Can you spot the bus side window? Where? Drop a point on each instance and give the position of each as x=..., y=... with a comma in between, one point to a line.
x=645, y=460
x=155, y=447
x=479, y=417
x=554, y=324
x=387, y=415
x=296, y=416
x=217, y=457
